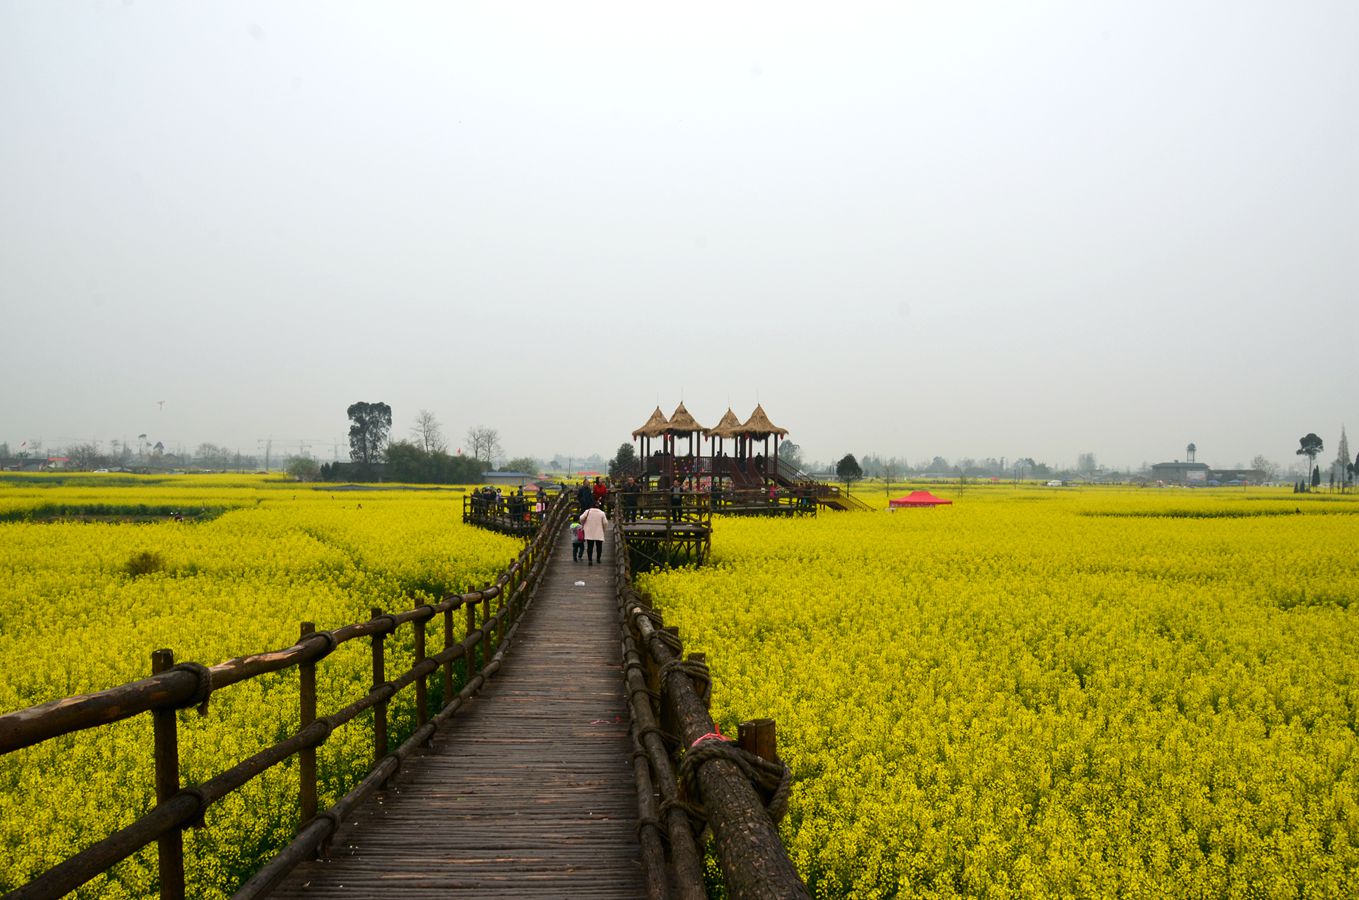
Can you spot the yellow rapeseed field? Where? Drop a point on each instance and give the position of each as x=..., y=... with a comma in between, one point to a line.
x=85, y=597
x=1050, y=692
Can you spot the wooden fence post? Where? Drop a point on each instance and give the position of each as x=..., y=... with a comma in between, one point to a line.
x=306, y=758
x=380, y=709
x=422, y=683
x=169, y=847
x=758, y=736
x=448, y=666
x=486, y=629
x=472, y=650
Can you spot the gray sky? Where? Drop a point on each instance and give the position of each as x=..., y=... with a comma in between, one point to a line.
x=982, y=229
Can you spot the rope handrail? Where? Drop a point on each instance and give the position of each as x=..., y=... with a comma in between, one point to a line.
x=175, y=687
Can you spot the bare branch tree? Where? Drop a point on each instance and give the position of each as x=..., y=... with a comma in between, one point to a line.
x=427, y=433
x=484, y=443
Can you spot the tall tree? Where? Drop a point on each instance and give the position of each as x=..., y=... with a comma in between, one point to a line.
x=484, y=443
x=847, y=469
x=1343, y=460
x=791, y=454
x=84, y=456
x=1269, y=468
x=1309, y=446
x=369, y=424
x=427, y=433
x=623, y=461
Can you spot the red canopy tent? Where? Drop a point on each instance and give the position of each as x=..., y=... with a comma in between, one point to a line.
x=918, y=498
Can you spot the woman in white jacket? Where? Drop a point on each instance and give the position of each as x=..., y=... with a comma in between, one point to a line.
x=594, y=521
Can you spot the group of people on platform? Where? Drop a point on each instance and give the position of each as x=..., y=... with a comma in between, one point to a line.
x=489, y=501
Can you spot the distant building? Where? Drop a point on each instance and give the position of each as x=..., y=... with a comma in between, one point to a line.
x=515, y=479
x=1177, y=472
x=1197, y=474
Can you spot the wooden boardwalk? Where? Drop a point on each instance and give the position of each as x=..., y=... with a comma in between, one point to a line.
x=529, y=791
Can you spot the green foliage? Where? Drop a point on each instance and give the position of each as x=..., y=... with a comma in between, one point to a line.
x=1309, y=446
x=144, y=563
x=523, y=464
x=303, y=468
x=410, y=463
x=848, y=469
x=623, y=461
x=368, y=429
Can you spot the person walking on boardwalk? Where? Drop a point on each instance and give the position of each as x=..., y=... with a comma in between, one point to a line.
x=585, y=498
x=630, y=490
x=594, y=521
x=601, y=491
x=577, y=542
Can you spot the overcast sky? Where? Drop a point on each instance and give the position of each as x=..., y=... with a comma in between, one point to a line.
x=967, y=229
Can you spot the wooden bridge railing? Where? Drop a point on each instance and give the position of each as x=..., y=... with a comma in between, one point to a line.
x=174, y=687
x=738, y=790
x=518, y=514
x=781, y=501
x=692, y=507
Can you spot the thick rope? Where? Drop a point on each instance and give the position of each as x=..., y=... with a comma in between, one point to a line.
x=648, y=613
x=202, y=691
x=772, y=781
x=697, y=672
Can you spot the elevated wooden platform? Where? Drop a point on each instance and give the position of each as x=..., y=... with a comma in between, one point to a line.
x=530, y=792
x=662, y=530
x=517, y=516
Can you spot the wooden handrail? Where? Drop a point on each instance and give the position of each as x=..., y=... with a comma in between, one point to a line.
x=754, y=862
x=178, y=687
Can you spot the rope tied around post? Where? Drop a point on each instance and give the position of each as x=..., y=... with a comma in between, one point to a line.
x=196, y=820
x=202, y=691
x=698, y=673
x=648, y=613
x=323, y=637
x=772, y=781
x=669, y=639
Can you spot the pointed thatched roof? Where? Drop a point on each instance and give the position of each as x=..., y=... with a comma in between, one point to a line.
x=758, y=425
x=655, y=425
x=727, y=426
x=683, y=423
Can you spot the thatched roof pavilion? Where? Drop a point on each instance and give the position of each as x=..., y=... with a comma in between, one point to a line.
x=726, y=427
x=654, y=426
x=759, y=426
x=683, y=423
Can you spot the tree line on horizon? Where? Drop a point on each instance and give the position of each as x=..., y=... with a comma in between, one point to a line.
x=424, y=458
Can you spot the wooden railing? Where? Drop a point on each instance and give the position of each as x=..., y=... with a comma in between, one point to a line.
x=691, y=507
x=832, y=495
x=174, y=687
x=688, y=776
x=781, y=501
x=517, y=514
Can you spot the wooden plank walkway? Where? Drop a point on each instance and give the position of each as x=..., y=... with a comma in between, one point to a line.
x=529, y=791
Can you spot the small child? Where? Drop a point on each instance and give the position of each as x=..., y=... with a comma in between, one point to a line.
x=577, y=542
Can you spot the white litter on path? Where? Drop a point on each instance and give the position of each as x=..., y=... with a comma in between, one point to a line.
x=580, y=584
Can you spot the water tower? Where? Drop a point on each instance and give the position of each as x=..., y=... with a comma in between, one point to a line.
x=1190, y=451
